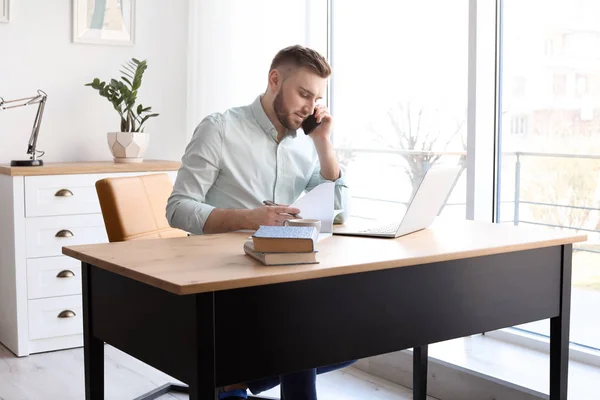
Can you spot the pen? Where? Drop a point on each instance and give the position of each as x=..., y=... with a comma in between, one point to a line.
x=270, y=203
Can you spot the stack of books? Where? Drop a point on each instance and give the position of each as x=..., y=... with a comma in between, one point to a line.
x=284, y=245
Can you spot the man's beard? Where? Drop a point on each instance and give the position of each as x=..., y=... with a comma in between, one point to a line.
x=283, y=114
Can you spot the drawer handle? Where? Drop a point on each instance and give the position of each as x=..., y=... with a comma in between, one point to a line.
x=66, y=314
x=65, y=274
x=64, y=233
x=63, y=193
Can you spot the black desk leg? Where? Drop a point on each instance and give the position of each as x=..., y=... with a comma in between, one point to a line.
x=420, y=359
x=93, y=350
x=559, y=333
x=204, y=385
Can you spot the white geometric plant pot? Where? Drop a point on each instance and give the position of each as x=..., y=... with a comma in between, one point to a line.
x=128, y=147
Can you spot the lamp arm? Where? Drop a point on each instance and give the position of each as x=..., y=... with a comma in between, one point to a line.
x=31, y=148
x=39, y=99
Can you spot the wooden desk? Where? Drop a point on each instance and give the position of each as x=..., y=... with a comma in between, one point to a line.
x=178, y=304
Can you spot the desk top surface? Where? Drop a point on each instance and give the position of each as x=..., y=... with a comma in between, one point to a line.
x=207, y=263
x=89, y=167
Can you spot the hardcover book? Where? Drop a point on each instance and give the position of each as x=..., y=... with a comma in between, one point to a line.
x=280, y=258
x=285, y=239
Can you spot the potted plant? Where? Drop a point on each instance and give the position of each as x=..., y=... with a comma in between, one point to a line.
x=130, y=143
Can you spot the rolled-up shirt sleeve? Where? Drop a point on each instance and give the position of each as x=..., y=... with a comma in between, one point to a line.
x=340, y=194
x=200, y=167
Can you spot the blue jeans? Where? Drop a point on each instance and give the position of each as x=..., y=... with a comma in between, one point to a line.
x=296, y=385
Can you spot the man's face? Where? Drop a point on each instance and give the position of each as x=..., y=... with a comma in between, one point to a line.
x=297, y=97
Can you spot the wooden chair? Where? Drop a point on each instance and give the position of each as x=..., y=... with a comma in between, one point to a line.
x=134, y=207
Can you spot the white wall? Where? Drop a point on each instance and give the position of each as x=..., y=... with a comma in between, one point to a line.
x=36, y=51
x=233, y=42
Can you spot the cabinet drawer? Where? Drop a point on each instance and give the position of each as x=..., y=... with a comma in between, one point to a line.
x=67, y=194
x=55, y=316
x=47, y=235
x=53, y=276
x=61, y=195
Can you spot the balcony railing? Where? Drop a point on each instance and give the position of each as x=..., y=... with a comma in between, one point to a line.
x=518, y=201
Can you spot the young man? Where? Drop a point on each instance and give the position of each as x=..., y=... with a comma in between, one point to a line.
x=246, y=155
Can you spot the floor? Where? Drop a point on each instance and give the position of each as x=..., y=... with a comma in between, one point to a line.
x=518, y=365
x=59, y=375
x=585, y=319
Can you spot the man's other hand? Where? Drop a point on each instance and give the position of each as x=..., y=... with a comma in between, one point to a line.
x=270, y=215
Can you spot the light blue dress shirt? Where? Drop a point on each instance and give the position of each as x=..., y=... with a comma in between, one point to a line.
x=235, y=161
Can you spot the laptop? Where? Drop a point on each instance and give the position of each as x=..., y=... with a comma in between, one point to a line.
x=426, y=204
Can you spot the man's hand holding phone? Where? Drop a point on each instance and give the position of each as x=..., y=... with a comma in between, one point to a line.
x=321, y=136
x=319, y=124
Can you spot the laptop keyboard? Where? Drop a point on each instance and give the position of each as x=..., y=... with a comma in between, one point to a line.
x=384, y=229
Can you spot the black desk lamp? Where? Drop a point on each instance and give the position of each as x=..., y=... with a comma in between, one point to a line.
x=41, y=99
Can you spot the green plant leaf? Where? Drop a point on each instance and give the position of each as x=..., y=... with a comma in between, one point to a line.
x=131, y=65
x=125, y=79
x=146, y=118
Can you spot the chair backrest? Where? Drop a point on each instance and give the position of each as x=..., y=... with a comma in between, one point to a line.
x=134, y=207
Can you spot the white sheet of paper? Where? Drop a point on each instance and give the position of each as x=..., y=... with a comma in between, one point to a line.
x=318, y=204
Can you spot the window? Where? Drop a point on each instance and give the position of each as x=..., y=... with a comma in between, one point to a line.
x=559, y=84
x=582, y=85
x=519, y=86
x=389, y=76
x=550, y=177
x=518, y=124
x=399, y=98
x=549, y=47
x=554, y=44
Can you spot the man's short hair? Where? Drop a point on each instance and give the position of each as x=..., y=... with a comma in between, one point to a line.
x=300, y=56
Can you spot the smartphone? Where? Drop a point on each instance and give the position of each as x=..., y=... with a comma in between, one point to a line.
x=310, y=123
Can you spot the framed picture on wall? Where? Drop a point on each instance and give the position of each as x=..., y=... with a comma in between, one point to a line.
x=104, y=22
x=4, y=10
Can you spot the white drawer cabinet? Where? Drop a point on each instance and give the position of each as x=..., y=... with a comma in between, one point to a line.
x=43, y=209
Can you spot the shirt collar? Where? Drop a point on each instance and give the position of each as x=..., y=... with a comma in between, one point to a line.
x=265, y=123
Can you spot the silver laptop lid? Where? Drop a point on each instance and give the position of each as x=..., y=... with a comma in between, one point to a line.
x=429, y=198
